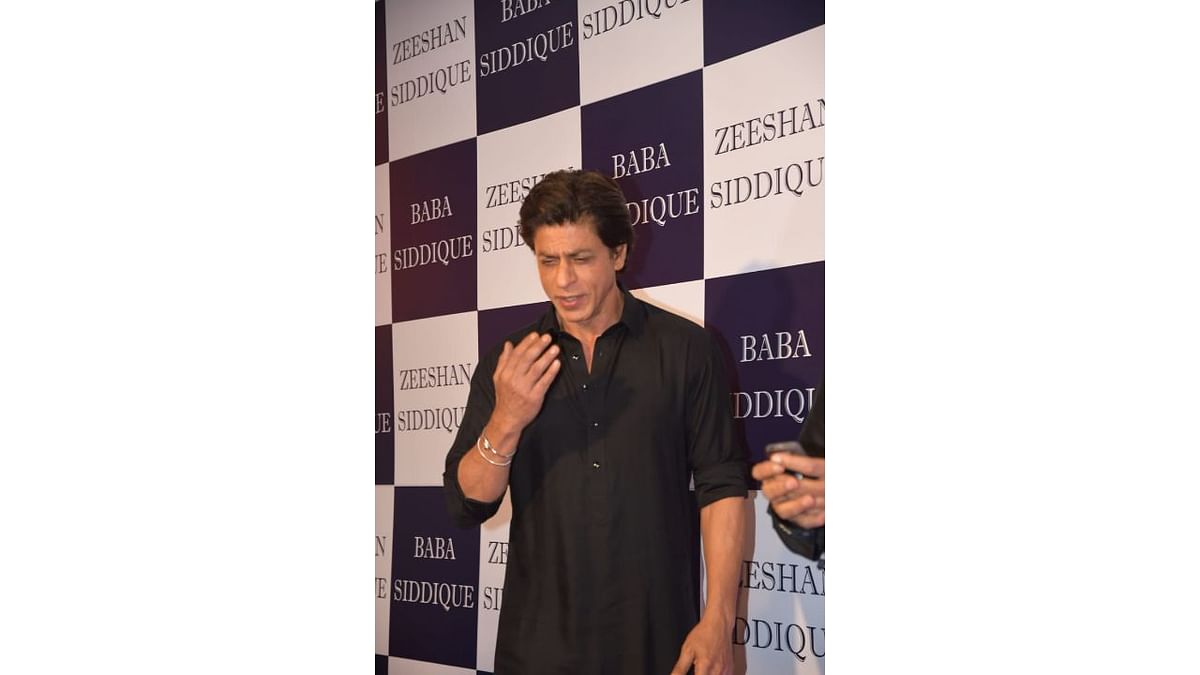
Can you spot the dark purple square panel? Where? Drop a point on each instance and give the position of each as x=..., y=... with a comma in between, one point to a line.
x=733, y=27
x=385, y=453
x=651, y=141
x=527, y=64
x=381, y=137
x=435, y=581
x=771, y=326
x=497, y=324
x=433, y=232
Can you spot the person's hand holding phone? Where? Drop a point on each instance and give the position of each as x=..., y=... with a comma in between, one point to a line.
x=793, y=483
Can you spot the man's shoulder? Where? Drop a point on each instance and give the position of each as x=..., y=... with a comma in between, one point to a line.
x=670, y=324
x=677, y=334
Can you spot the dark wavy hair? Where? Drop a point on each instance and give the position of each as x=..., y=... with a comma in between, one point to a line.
x=578, y=196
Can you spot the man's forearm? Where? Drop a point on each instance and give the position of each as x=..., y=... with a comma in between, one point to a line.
x=722, y=528
x=480, y=479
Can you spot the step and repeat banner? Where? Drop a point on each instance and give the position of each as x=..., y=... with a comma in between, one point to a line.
x=710, y=114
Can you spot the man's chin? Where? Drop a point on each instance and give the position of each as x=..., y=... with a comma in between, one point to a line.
x=572, y=314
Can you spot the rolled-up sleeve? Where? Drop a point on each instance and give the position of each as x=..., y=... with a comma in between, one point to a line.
x=715, y=453
x=467, y=512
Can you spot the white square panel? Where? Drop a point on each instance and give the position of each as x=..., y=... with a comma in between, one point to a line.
x=398, y=666
x=510, y=162
x=764, y=157
x=685, y=299
x=385, y=496
x=627, y=45
x=430, y=74
x=432, y=360
x=493, y=557
x=780, y=620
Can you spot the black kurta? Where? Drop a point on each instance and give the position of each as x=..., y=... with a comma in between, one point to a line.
x=603, y=560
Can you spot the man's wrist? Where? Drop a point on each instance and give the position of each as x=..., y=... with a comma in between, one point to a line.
x=502, y=427
x=502, y=435
x=722, y=617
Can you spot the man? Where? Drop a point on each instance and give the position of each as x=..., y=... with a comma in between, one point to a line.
x=595, y=418
x=795, y=487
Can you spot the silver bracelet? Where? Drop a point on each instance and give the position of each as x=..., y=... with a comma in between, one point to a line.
x=489, y=459
x=488, y=446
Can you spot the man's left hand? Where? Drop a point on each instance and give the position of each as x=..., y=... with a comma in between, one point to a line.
x=795, y=499
x=709, y=647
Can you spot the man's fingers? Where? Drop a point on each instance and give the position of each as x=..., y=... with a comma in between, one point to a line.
x=781, y=486
x=543, y=362
x=520, y=348
x=543, y=383
x=790, y=508
x=515, y=360
x=807, y=507
x=530, y=349
x=505, y=355
x=774, y=488
x=789, y=487
x=766, y=469
x=813, y=467
x=685, y=660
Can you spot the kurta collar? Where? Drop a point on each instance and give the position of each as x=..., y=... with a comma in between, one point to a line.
x=633, y=315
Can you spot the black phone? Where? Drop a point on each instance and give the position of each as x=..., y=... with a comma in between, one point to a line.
x=786, y=446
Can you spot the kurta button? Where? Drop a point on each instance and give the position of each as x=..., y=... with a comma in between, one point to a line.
x=595, y=425
x=585, y=386
x=595, y=465
x=575, y=356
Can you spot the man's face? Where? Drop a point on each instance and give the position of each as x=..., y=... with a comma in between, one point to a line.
x=578, y=273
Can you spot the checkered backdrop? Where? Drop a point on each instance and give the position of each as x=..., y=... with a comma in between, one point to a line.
x=710, y=114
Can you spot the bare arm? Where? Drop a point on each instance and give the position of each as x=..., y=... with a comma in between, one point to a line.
x=480, y=480
x=709, y=646
x=522, y=377
x=722, y=525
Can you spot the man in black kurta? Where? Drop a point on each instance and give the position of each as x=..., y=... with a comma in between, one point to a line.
x=602, y=573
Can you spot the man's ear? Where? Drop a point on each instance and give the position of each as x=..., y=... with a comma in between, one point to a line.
x=619, y=257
